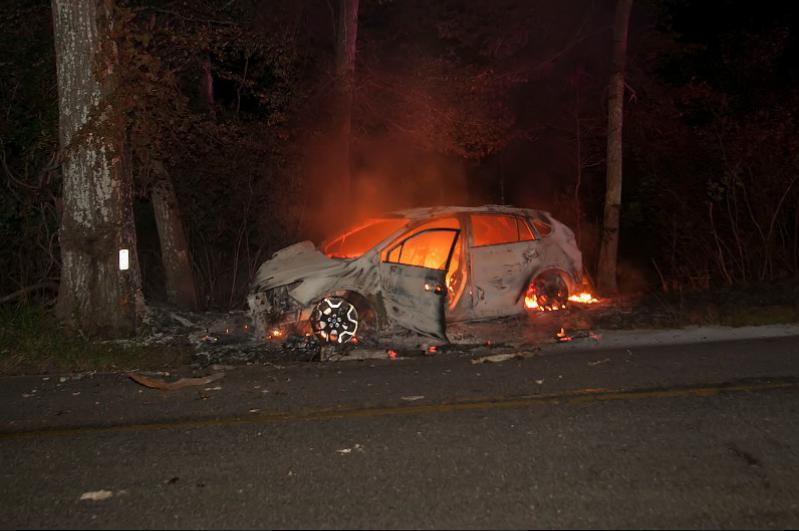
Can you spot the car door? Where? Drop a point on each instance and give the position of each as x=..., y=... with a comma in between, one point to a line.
x=503, y=252
x=413, y=279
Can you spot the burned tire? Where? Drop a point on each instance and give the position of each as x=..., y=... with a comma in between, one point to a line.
x=551, y=291
x=335, y=320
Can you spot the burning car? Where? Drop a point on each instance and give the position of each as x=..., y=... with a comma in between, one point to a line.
x=418, y=269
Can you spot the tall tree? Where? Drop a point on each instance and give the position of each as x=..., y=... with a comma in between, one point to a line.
x=608, y=251
x=95, y=294
x=346, y=40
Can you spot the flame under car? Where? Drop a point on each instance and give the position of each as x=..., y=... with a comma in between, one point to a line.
x=418, y=269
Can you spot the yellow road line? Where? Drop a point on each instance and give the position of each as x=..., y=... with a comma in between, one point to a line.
x=581, y=396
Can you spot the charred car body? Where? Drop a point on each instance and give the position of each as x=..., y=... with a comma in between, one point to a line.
x=418, y=269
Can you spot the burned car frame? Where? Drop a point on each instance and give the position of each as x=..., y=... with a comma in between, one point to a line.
x=418, y=269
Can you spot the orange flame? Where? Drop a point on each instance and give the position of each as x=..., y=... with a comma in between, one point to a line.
x=531, y=302
x=583, y=298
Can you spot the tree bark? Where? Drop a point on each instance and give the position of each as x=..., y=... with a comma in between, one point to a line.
x=174, y=249
x=97, y=219
x=345, y=77
x=608, y=252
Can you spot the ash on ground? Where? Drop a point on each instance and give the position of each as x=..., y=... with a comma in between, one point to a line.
x=228, y=337
x=221, y=337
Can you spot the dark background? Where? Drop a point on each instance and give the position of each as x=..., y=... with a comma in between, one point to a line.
x=455, y=103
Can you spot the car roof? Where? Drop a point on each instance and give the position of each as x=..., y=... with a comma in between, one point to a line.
x=415, y=214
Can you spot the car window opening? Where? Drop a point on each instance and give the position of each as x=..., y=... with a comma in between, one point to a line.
x=430, y=249
x=358, y=240
x=497, y=229
x=439, y=247
x=543, y=228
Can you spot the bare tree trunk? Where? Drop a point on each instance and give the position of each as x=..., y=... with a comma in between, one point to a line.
x=578, y=140
x=345, y=76
x=608, y=252
x=207, y=85
x=174, y=249
x=97, y=220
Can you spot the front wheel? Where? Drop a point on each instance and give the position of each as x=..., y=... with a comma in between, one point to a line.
x=334, y=320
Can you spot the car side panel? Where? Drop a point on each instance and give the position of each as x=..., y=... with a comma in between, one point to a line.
x=499, y=273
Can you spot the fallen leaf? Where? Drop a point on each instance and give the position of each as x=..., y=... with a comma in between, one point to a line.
x=155, y=383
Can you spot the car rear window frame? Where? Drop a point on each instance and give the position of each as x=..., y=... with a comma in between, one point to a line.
x=518, y=218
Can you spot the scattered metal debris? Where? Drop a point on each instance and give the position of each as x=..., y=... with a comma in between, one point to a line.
x=598, y=362
x=499, y=358
x=345, y=451
x=563, y=337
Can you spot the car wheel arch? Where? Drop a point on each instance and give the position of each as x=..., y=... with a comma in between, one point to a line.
x=367, y=307
x=565, y=275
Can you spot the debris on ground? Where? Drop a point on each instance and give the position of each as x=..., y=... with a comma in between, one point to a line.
x=345, y=451
x=563, y=337
x=221, y=340
x=413, y=398
x=499, y=358
x=156, y=383
x=598, y=362
x=96, y=495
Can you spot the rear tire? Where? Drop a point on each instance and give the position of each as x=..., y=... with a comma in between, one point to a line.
x=551, y=291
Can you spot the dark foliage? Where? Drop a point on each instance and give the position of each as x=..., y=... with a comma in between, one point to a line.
x=455, y=102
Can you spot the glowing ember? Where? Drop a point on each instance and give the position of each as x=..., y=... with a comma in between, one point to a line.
x=531, y=301
x=583, y=298
x=392, y=354
x=354, y=340
x=431, y=349
x=562, y=337
x=275, y=333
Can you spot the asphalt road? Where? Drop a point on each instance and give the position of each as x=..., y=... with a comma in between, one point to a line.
x=689, y=436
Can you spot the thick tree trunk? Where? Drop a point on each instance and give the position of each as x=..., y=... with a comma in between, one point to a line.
x=174, y=249
x=97, y=220
x=608, y=252
x=345, y=77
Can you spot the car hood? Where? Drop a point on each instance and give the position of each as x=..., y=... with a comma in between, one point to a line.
x=297, y=262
